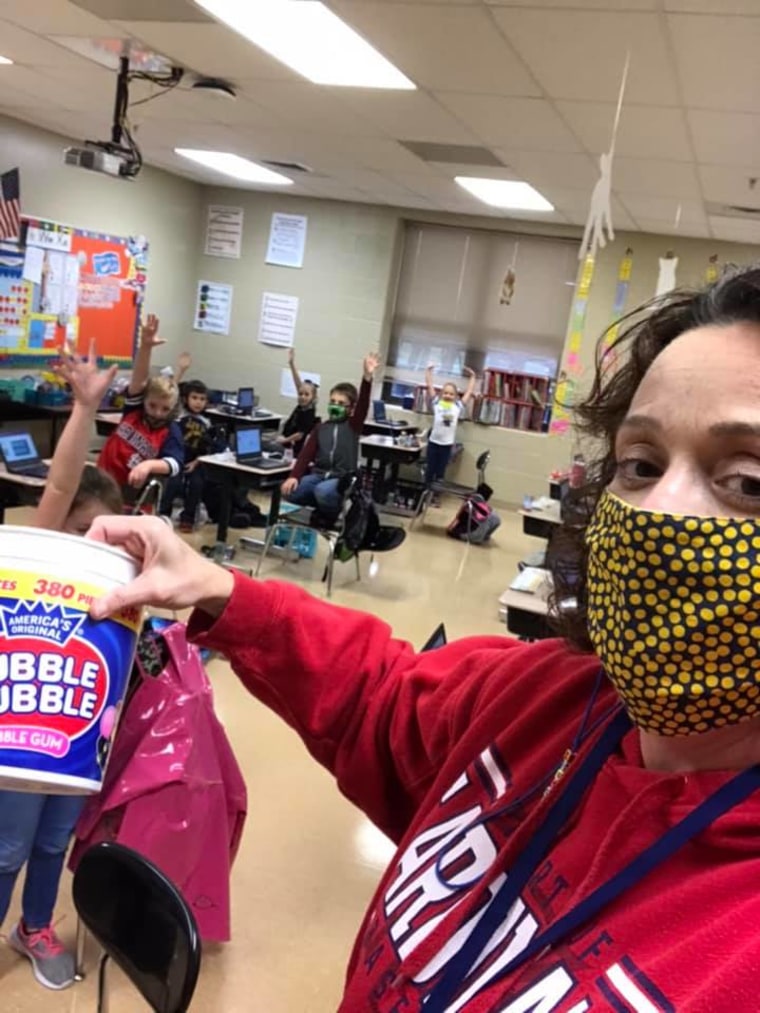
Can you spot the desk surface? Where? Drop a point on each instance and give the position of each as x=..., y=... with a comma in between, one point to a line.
x=27, y=481
x=232, y=417
x=387, y=443
x=227, y=460
x=524, y=600
x=550, y=516
x=386, y=427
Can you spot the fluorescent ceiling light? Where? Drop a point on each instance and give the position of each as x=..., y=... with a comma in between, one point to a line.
x=307, y=37
x=233, y=165
x=511, y=194
x=5, y=60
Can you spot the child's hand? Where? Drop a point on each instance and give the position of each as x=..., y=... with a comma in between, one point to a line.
x=291, y=357
x=140, y=474
x=190, y=468
x=466, y=371
x=184, y=362
x=371, y=362
x=149, y=334
x=88, y=383
x=288, y=486
x=430, y=368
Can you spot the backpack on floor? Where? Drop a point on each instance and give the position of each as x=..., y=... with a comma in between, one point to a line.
x=475, y=521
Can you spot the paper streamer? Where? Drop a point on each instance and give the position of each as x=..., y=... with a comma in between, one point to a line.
x=572, y=367
x=618, y=307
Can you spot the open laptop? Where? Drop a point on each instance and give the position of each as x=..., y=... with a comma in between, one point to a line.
x=380, y=415
x=245, y=401
x=20, y=455
x=248, y=450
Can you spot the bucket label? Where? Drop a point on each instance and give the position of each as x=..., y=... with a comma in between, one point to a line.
x=62, y=676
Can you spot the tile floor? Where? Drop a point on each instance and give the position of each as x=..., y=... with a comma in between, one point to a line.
x=309, y=861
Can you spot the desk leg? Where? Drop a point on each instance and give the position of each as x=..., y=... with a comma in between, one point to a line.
x=274, y=505
x=225, y=510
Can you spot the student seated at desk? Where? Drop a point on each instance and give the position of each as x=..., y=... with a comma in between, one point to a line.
x=332, y=449
x=147, y=442
x=303, y=418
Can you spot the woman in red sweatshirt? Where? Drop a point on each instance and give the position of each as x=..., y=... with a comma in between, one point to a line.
x=577, y=820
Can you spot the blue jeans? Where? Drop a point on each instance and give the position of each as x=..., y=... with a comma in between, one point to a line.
x=438, y=457
x=314, y=490
x=35, y=829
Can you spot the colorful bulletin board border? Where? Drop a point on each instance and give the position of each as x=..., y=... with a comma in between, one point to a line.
x=618, y=307
x=63, y=284
x=572, y=368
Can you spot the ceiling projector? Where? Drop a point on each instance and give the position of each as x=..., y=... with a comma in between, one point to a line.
x=121, y=164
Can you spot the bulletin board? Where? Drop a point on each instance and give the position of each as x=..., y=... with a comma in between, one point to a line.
x=63, y=284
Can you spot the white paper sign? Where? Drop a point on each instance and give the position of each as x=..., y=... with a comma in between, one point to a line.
x=33, y=259
x=278, y=319
x=287, y=240
x=288, y=388
x=49, y=239
x=213, y=307
x=224, y=231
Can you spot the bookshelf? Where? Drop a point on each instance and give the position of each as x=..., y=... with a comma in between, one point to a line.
x=514, y=401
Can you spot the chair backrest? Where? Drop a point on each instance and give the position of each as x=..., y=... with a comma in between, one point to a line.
x=482, y=463
x=142, y=922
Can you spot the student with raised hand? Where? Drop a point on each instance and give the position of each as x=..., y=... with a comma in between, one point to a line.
x=303, y=418
x=447, y=409
x=35, y=829
x=577, y=820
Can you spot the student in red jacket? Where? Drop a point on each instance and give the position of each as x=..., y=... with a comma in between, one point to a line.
x=147, y=442
x=577, y=820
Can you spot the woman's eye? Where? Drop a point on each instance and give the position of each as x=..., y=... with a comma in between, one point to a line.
x=745, y=486
x=637, y=469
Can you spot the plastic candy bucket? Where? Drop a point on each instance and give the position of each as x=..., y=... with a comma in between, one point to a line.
x=63, y=676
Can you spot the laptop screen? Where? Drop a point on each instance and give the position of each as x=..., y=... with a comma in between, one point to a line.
x=229, y=397
x=378, y=408
x=245, y=397
x=18, y=447
x=437, y=639
x=248, y=442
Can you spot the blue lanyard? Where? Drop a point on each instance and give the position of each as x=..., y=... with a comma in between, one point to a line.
x=721, y=801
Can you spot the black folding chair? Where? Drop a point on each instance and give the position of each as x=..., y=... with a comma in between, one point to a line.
x=457, y=489
x=142, y=923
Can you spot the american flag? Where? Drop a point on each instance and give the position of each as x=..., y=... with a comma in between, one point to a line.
x=10, y=204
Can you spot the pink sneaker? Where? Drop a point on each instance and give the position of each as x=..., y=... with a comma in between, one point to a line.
x=52, y=963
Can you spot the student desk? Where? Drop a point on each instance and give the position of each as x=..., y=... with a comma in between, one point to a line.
x=526, y=614
x=384, y=429
x=541, y=523
x=388, y=456
x=260, y=417
x=107, y=422
x=224, y=469
x=18, y=490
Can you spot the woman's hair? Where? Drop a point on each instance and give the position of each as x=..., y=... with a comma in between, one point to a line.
x=348, y=390
x=162, y=387
x=734, y=298
x=97, y=485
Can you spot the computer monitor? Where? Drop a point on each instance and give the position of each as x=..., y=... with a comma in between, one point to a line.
x=229, y=397
x=18, y=448
x=378, y=411
x=248, y=442
x=245, y=399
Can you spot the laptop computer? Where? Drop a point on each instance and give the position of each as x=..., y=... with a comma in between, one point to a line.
x=381, y=416
x=249, y=453
x=437, y=639
x=245, y=400
x=20, y=455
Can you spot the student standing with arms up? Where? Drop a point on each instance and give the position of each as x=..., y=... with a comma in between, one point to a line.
x=447, y=409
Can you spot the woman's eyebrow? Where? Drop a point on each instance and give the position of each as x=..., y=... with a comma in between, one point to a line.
x=641, y=422
x=735, y=429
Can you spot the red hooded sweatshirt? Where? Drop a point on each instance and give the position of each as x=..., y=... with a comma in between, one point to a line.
x=429, y=746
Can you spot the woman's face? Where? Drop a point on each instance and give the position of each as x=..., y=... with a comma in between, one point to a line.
x=690, y=443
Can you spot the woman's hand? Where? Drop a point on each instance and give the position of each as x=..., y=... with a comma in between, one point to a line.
x=88, y=383
x=174, y=576
x=289, y=486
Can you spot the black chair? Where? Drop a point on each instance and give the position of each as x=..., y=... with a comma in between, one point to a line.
x=304, y=517
x=457, y=489
x=142, y=923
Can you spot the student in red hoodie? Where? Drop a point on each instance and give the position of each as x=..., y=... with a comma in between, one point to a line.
x=577, y=820
x=147, y=442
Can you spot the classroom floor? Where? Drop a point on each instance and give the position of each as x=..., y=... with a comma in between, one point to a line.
x=309, y=861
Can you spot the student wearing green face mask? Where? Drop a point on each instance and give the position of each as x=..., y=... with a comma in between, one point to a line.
x=331, y=450
x=447, y=409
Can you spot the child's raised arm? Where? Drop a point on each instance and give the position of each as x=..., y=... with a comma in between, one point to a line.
x=472, y=377
x=293, y=369
x=184, y=362
x=149, y=340
x=89, y=385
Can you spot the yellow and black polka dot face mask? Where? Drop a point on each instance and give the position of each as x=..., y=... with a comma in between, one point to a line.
x=674, y=615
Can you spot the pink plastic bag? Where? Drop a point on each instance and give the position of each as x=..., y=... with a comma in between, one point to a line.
x=173, y=790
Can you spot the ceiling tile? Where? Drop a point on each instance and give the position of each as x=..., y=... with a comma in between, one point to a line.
x=441, y=47
x=735, y=229
x=724, y=138
x=712, y=6
x=726, y=185
x=29, y=49
x=692, y=230
x=541, y=168
x=209, y=49
x=596, y=5
x=301, y=104
x=665, y=209
x=656, y=177
x=52, y=17
x=645, y=131
x=527, y=123
x=581, y=54
x=407, y=115
x=48, y=90
x=575, y=204
x=717, y=61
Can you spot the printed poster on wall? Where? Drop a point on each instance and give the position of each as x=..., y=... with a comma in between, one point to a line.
x=277, y=325
x=287, y=240
x=287, y=385
x=224, y=231
x=213, y=307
